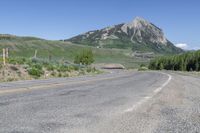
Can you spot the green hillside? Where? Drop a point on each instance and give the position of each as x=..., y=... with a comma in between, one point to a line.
x=59, y=50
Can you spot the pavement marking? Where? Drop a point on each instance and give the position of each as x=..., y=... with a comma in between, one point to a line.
x=14, y=90
x=50, y=86
x=145, y=99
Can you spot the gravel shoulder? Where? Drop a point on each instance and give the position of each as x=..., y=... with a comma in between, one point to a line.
x=175, y=109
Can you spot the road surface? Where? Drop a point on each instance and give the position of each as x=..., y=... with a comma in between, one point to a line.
x=119, y=102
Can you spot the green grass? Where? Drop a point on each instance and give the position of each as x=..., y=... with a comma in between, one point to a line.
x=62, y=51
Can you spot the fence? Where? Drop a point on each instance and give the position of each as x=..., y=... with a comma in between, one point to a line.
x=4, y=55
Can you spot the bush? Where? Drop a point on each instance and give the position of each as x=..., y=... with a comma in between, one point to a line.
x=85, y=57
x=36, y=70
x=76, y=68
x=143, y=68
x=142, y=65
x=60, y=75
x=82, y=72
x=66, y=75
x=35, y=60
x=50, y=67
x=17, y=61
x=53, y=74
x=37, y=66
x=91, y=69
x=10, y=79
x=63, y=68
x=70, y=68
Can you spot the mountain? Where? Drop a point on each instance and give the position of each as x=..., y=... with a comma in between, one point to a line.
x=139, y=35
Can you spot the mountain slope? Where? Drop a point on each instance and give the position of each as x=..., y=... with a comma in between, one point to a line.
x=139, y=35
x=60, y=51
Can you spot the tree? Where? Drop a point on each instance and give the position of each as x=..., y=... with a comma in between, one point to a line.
x=161, y=66
x=85, y=57
x=189, y=61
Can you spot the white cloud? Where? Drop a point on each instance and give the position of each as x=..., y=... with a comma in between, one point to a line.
x=196, y=48
x=182, y=45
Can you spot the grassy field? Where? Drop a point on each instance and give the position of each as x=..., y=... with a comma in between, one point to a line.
x=62, y=51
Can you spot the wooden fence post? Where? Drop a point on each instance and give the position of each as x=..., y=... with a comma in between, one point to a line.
x=7, y=53
x=4, y=57
x=35, y=56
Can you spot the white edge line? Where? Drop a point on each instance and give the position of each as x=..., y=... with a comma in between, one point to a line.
x=145, y=99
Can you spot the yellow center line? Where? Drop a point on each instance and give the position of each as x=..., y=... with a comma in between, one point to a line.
x=50, y=86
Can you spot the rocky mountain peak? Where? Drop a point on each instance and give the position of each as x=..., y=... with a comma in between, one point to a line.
x=141, y=29
x=137, y=23
x=138, y=34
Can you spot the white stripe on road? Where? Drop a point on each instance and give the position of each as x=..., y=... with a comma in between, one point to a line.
x=145, y=99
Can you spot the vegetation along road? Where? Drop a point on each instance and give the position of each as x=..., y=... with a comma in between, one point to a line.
x=121, y=101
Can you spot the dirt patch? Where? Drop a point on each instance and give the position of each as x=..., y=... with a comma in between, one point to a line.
x=110, y=66
x=13, y=73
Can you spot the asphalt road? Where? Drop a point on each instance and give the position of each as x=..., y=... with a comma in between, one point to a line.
x=124, y=102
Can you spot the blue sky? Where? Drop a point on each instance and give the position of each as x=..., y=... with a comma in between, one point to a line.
x=61, y=19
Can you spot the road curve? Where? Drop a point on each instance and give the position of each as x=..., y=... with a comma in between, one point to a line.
x=103, y=103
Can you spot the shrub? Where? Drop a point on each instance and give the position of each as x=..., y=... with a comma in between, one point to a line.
x=142, y=65
x=91, y=69
x=71, y=68
x=76, y=68
x=62, y=68
x=10, y=79
x=143, y=69
x=50, y=67
x=66, y=75
x=17, y=61
x=82, y=72
x=85, y=57
x=35, y=60
x=60, y=75
x=37, y=66
x=53, y=74
x=36, y=70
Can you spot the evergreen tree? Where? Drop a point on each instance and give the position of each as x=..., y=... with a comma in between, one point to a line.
x=189, y=61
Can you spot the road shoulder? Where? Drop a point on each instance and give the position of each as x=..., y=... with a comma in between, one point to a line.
x=174, y=109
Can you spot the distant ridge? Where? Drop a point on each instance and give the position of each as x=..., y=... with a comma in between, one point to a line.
x=14, y=37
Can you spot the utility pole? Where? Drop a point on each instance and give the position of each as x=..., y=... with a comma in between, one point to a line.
x=4, y=56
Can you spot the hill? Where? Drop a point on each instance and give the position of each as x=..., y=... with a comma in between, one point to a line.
x=64, y=51
x=138, y=35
